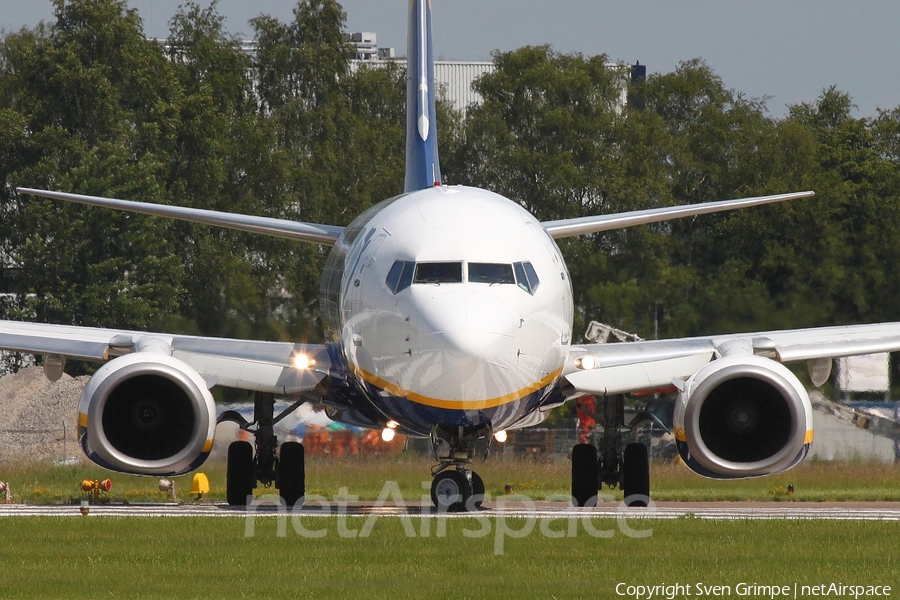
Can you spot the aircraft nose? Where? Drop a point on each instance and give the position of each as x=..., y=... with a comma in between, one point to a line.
x=466, y=326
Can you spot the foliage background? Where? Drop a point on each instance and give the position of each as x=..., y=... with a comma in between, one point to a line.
x=89, y=105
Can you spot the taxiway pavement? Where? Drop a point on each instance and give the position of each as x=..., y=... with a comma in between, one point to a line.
x=851, y=511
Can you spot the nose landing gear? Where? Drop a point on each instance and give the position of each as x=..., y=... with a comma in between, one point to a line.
x=457, y=491
x=456, y=488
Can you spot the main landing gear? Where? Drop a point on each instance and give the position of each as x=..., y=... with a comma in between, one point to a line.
x=284, y=466
x=608, y=463
x=456, y=488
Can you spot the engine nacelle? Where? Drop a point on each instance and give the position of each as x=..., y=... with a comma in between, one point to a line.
x=743, y=416
x=147, y=414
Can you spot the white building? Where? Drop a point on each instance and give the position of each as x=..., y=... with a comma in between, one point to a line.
x=454, y=79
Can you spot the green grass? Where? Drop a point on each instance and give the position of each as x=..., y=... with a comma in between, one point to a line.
x=816, y=481
x=212, y=558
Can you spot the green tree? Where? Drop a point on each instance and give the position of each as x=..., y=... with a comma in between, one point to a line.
x=220, y=159
x=82, y=104
x=340, y=132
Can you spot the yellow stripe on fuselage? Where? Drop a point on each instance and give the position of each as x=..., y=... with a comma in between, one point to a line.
x=396, y=390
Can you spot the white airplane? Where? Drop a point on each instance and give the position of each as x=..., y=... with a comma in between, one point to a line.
x=448, y=311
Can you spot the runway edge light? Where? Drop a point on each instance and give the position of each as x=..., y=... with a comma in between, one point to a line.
x=199, y=485
x=167, y=486
x=94, y=487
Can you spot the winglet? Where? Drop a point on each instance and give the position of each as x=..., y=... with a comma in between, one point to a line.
x=422, y=166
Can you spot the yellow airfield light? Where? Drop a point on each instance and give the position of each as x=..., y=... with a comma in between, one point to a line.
x=200, y=485
x=94, y=487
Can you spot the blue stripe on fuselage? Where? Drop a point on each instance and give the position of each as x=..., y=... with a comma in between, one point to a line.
x=374, y=404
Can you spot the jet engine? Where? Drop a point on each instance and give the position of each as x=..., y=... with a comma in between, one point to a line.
x=743, y=416
x=147, y=414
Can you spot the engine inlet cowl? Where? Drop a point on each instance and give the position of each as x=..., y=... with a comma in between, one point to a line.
x=743, y=416
x=147, y=414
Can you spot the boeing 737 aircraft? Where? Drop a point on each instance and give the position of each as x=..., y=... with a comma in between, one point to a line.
x=448, y=315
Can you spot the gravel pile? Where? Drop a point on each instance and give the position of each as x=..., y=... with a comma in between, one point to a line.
x=32, y=412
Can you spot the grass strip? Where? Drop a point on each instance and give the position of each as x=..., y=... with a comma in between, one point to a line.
x=813, y=481
x=213, y=558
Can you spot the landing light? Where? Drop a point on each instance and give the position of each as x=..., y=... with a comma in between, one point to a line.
x=303, y=362
x=392, y=424
x=586, y=362
x=500, y=436
x=387, y=434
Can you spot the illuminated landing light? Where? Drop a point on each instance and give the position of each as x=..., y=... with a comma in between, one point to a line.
x=392, y=424
x=302, y=362
x=387, y=434
x=586, y=362
x=501, y=436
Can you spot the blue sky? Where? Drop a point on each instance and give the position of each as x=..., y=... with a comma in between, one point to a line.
x=789, y=50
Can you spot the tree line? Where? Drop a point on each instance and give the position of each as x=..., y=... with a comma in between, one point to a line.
x=89, y=105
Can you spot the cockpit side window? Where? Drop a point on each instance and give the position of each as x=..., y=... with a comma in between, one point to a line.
x=533, y=280
x=526, y=277
x=491, y=273
x=438, y=272
x=400, y=276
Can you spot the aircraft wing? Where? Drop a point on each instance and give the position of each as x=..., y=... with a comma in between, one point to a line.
x=306, y=232
x=617, y=368
x=244, y=364
x=584, y=225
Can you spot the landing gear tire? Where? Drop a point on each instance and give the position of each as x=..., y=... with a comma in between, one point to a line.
x=450, y=491
x=477, y=491
x=584, y=475
x=291, y=472
x=636, y=475
x=239, y=481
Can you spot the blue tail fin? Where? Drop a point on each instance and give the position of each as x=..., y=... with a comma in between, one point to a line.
x=422, y=165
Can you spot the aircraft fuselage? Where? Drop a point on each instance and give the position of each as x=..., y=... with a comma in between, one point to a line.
x=451, y=306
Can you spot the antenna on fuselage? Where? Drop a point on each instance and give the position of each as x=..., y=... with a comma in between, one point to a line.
x=422, y=165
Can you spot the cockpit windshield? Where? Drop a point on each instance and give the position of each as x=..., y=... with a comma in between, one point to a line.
x=439, y=272
x=491, y=273
x=404, y=273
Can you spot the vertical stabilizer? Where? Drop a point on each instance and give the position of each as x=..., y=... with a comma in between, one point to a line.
x=422, y=166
